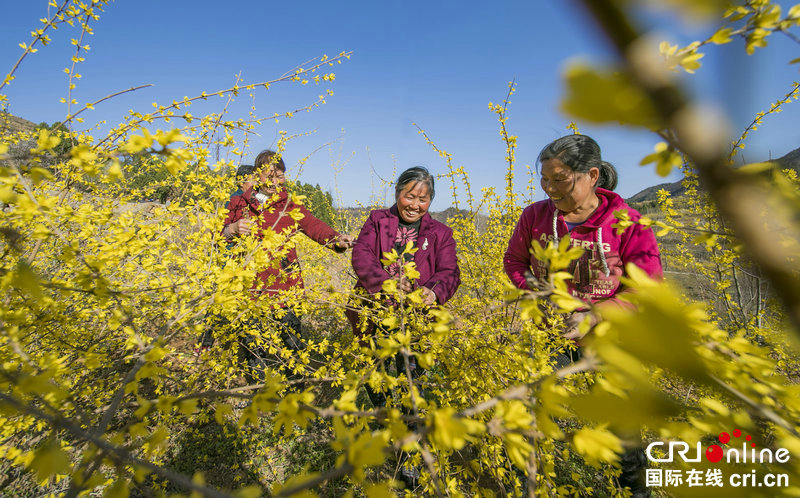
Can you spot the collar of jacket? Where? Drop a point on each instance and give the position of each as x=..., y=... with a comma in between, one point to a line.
x=249, y=196
x=388, y=230
x=609, y=202
x=425, y=223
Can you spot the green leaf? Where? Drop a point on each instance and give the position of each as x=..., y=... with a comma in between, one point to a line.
x=120, y=489
x=661, y=332
x=565, y=301
x=641, y=406
x=50, y=460
x=249, y=492
x=38, y=174
x=8, y=195
x=715, y=406
x=709, y=239
x=188, y=406
x=597, y=445
x=604, y=96
x=736, y=13
x=722, y=36
x=452, y=432
x=665, y=157
x=755, y=168
x=389, y=286
x=700, y=8
x=379, y=490
x=25, y=279
x=518, y=449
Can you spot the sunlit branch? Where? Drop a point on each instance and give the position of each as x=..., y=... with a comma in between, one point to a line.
x=736, y=194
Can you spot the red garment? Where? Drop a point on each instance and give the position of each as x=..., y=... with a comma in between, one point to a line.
x=275, y=215
x=596, y=274
x=436, y=258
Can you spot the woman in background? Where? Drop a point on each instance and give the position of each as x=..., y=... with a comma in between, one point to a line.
x=264, y=205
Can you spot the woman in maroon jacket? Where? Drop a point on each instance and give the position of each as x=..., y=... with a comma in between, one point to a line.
x=392, y=229
x=387, y=229
x=266, y=205
x=407, y=221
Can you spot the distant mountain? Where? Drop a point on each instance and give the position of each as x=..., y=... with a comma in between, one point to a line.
x=649, y=194
x=480, y=220
x=788, y=161
x=12, y=124
x=442, y=216
x=449, y=213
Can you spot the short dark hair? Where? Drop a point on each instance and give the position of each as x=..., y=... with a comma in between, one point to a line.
x=244, y=170
x=581, y=153
x=415, y=174
x=269, y=158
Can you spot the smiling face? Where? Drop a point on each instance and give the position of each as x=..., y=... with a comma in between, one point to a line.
x=413, y=201
x=571, y=192
x=270, y=180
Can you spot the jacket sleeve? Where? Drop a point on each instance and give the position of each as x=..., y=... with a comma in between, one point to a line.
x=517, y=260
x=317, y=230
x=366, y=257
x=447, y=277
x=641, y=249
x=235, y=207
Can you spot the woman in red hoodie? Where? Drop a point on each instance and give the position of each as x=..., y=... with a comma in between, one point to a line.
x=581, y=205
x=265, y=205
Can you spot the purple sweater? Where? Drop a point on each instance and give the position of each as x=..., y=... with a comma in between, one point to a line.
x=435, y=258
x=596, y=274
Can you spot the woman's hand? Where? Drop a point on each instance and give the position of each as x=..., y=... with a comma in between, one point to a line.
x=572, y=324
x=405, y=285
x=345, y=241
x=428, y=297
x=402, y=282
x=239, y=228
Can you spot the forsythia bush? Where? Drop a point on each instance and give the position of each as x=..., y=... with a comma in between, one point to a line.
x=105, y=296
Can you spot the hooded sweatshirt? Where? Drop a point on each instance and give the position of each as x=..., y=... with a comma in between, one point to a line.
x=597, y=272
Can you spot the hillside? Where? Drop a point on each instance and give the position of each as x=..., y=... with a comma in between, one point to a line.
x=791, y=160
x=13, y=124
x=649, y=194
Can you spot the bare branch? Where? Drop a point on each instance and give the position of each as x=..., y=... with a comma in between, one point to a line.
x=739, y=197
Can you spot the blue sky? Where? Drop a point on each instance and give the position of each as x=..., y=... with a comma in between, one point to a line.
x=437, y=64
